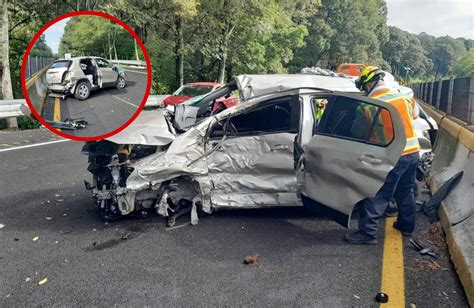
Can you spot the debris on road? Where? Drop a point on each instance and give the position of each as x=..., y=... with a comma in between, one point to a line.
x=381, y=297
x=422, y=250
x=35, y=238
x=2, y=226
x=431, y=264
x=27, y=279
x=251, y=260
x=431, y=207
x=357, y=296
x=49, y=217
x=125, y=236
x=43, y=281
x=435, y=236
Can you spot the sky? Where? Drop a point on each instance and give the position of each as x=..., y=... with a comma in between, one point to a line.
x=436, y=17
x=54, y=33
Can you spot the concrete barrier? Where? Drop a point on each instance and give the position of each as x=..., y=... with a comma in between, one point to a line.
x=454, y=152
x=37, y=90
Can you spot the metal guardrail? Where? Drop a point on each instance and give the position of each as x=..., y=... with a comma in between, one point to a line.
x=11, y=108
x=129, y=62
x=453, y=96
x=35, y=64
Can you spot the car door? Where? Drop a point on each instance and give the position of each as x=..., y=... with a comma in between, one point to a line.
x=252, y=164
x=108, y=76
x=358, y=141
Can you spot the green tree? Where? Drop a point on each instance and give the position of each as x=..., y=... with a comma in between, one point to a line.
x=465, y=65
x=41, y=48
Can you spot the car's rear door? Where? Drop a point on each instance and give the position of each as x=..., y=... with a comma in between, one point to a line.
x=358, y=141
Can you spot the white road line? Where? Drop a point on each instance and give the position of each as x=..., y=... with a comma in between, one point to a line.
x=33, y=145
x=126, y=102
x=138, y=72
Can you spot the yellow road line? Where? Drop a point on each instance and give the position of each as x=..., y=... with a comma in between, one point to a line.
x=393, y=274
x=57, y=111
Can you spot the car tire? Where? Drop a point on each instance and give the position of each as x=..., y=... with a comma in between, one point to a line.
x=120, y=82
x=82, y=91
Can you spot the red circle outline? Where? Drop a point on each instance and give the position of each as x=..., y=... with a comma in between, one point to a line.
x=36, y=37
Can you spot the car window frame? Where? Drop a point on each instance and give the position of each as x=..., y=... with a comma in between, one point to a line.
x=101, y=59
x=264, y=104
x=360, y=98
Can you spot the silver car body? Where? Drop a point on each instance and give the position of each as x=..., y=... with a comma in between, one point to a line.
x=258, y=169
x=64, y=74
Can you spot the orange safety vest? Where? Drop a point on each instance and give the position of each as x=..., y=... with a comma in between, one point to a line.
x=406, y=108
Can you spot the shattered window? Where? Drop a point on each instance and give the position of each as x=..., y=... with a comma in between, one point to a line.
x=352, y=119
x=282, y=116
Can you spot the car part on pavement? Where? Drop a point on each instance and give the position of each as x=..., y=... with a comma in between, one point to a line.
x=69, y=124
x=431, y=207
x=422, y=250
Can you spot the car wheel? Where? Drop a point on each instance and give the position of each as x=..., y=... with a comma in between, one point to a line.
x=83, y=90
x=120, y=82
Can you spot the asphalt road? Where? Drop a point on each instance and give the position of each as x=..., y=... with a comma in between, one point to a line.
x=105, y=110
x=135, y=262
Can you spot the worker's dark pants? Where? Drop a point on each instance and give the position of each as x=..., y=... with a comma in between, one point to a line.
x=399, y=183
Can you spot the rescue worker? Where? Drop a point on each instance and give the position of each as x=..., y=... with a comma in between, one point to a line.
x=400, y=181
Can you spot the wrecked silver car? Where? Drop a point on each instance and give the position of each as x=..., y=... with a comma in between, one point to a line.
x=270, y=150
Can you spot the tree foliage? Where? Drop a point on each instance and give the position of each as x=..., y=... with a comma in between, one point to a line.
x=212, y=40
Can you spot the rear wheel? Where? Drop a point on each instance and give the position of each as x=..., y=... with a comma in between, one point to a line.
x=120, y=82
x=83, y=90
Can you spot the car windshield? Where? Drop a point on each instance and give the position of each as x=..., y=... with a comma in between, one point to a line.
x=193, y=90
x=60, y=64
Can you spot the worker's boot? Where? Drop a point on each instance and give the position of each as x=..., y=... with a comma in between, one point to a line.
x=360, y=237
x=407, y=234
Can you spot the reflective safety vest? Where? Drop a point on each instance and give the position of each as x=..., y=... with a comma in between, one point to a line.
x=406, y=108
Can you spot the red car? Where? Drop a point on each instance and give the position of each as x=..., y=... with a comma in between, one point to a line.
x=194, y=89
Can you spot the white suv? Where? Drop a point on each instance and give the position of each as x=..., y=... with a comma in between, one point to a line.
x=80, y=75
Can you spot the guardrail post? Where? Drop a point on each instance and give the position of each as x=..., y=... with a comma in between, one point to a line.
x=430, y=94
x=470, y=100
x=438, y=94
x=450, y=95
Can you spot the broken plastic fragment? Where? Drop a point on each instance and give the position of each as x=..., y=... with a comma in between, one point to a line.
x=2, y=226
x=27, y=279
x=357, y=296
x=49, y=217
x=35, y=238
x=43, y=281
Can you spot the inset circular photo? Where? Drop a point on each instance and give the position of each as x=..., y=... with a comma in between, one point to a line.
x=86, y=75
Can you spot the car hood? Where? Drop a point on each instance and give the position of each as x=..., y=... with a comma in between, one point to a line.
x=149, y=128
x=183, y=157
x=175, y=99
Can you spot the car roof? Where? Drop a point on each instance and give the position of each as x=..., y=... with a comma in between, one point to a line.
x=79, y=58
x=258, y=85
x=204, y=83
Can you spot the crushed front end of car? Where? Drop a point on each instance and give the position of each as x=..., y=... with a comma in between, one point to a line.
x=111, y=163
